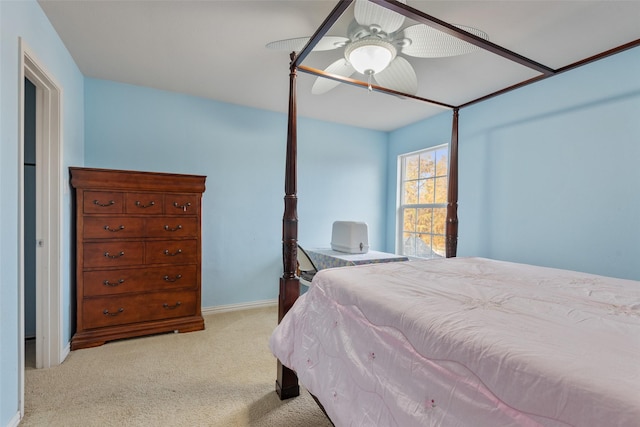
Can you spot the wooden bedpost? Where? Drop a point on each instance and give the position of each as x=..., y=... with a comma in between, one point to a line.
x=287, y=381
x=452, y=198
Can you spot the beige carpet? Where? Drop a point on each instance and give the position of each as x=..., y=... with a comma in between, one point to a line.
x=222, y=376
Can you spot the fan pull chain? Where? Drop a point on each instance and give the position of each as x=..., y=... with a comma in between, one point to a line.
x=369, y=82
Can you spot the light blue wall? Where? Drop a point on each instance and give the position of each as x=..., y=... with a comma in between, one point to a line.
x=549, y=173
x=342, y=172
x=25, y=19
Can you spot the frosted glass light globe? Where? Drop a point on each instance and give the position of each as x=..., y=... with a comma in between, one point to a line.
x=370, y=56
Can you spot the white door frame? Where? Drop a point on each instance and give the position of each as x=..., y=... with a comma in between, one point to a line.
x=49, y=349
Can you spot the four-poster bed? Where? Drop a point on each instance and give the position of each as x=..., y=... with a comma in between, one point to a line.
x=331, y=285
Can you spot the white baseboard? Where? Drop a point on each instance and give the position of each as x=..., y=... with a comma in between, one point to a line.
x=13, y=422
x=65, y=352
x=241, y=306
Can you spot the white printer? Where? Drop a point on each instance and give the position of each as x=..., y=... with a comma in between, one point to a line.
x=350, y=236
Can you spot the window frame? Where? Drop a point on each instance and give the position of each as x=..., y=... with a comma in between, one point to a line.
x=401, y=206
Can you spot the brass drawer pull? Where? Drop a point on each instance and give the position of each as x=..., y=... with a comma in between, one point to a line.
x=107, y=313
x=140, y=205
x=183, y=207
x=114, y=256
x=178, y=227
x=167, y=253
x=171, y=307
x=114, y=230
x=104, y=205
x=175, y=279
x=108, y=283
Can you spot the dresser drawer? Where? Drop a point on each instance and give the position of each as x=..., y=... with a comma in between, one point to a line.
x=144, y=203
x=171, y=226
x=113, y=254
x=112, y=282
x=104, y=202
x=119, y=310
x=181, y=204
x=172, y=252
x=110, y=227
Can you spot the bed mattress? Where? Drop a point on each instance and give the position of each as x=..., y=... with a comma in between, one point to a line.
x=466, y=342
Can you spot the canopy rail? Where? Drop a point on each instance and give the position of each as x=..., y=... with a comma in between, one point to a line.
x=369, y=86
x=456, y=32
x=335, y=14
x=599, y=56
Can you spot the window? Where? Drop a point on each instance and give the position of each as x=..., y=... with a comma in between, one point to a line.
x=423, y=202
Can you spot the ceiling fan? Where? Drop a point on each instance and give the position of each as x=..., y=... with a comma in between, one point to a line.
x=375, y=41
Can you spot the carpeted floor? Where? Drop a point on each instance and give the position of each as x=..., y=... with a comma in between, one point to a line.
x=222, y=376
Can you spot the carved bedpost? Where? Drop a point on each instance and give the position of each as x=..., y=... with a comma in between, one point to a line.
x=287, y=381
x=452, y=198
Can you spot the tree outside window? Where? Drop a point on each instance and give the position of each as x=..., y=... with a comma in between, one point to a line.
x=423, y=202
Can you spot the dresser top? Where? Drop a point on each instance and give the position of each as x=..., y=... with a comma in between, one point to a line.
x=135, y=180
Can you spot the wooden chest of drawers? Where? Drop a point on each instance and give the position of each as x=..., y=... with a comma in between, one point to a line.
x=137, y=254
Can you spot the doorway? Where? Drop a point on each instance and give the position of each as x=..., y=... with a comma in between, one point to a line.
x=40, y=193
x=29, y=190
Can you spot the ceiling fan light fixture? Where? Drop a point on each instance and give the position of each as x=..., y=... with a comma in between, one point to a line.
x=370, y=56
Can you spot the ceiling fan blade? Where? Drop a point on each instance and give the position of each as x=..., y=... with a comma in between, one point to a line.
x=341, y=67
x=427, y=42
x=399, y=76
x=296, y=44
x=367, y=13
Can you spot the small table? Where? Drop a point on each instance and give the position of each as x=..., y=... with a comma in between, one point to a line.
x=328, y=258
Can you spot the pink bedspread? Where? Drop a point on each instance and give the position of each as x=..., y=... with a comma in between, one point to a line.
x=466, y=342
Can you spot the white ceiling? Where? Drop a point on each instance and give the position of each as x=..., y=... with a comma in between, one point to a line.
x=216, y=49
